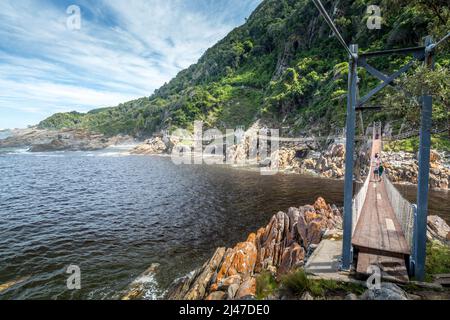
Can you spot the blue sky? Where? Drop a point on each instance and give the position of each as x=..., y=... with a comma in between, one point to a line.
x=124, y=50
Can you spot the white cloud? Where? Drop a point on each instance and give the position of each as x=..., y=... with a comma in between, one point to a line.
x=124, y=50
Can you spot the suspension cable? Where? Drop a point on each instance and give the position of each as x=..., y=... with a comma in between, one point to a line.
x=333, y=27
x=443, y=39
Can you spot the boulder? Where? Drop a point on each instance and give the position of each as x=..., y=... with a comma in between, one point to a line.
x=230, y=281
x=388, y=291
x=247, y=289
x=293, y=257
x=293, y=215
x=302, y=229
x=307, y=296
x=232, y=290
x=310, y=227
x=309, y=164
x=435, y=156
x=196, y=285
x=152, y=146
x=315, y=232
x=216, y=296
x=138, y=287
x=238, y=261
x=338, y=151
x=320, y=204
x=274, y=239
x=437, y=229
x=54, y=145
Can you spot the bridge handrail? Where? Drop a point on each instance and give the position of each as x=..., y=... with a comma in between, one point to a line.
x=358, y=202
x=360, y=198
x=403, y=209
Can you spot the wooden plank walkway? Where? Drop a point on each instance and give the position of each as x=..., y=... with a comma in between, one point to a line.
x=378, y=237
x=393, y=268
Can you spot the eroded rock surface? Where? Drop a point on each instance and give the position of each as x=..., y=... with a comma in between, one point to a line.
x=42, y=140
x=403, y=167
x=278, y=248
x=387, y=291
x=438, y=230
x=151, y=146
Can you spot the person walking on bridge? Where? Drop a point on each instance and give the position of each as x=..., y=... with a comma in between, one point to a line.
x=380, y=172
x=376, y=164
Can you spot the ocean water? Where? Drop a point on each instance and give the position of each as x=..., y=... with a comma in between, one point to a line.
x=114, y=215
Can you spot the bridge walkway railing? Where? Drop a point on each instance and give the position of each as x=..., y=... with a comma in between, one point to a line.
x=405, y=211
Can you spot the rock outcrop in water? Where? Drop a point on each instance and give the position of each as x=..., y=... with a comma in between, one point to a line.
x=279, y=248
x=143, y=286
x=43, y=140
x=151, y=147
x=328, y=163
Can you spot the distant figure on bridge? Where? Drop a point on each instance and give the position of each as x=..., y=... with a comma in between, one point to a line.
x=380, y=172
x=377, y=163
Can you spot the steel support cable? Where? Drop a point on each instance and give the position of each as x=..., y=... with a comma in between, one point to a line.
x=443, y=39
x=333, y=27
x=433, y=46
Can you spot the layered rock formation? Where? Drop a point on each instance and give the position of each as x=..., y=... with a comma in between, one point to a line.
x=39, y=140
x=282, y=246
x=305, y=156
x=328, y=164
x=403, y=167
x=151, y=146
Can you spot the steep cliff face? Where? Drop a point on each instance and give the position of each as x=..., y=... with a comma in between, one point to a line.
x=282, y=65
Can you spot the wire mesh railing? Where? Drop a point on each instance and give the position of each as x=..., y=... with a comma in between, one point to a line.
x=358, y=202
x=403, y=209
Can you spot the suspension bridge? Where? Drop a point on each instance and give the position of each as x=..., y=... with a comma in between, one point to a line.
x=382, y=223
x=380, y=227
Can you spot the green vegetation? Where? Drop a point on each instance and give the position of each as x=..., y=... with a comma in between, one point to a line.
x=298, y=283
x=266, y=285
x=400, y=105
x=438, y=142
x=283, y=66
x=438, y=260
x=135, y=118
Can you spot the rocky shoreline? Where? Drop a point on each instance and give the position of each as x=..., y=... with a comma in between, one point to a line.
x=322, y=161
x=282, y=249
x=308, y=158
x=403, y=167
x=282, y=246
x=43, y=140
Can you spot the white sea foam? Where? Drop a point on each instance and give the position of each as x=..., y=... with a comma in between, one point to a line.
x=16, y=151
x=150, y=284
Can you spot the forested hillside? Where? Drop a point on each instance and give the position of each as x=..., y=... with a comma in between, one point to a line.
x=284, y=65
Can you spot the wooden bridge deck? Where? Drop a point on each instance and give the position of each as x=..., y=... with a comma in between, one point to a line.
x=378, y=237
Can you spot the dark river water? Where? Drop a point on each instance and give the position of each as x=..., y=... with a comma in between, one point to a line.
x=114, y=216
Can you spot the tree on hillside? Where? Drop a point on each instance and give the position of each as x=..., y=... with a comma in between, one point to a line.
x=405, y=103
